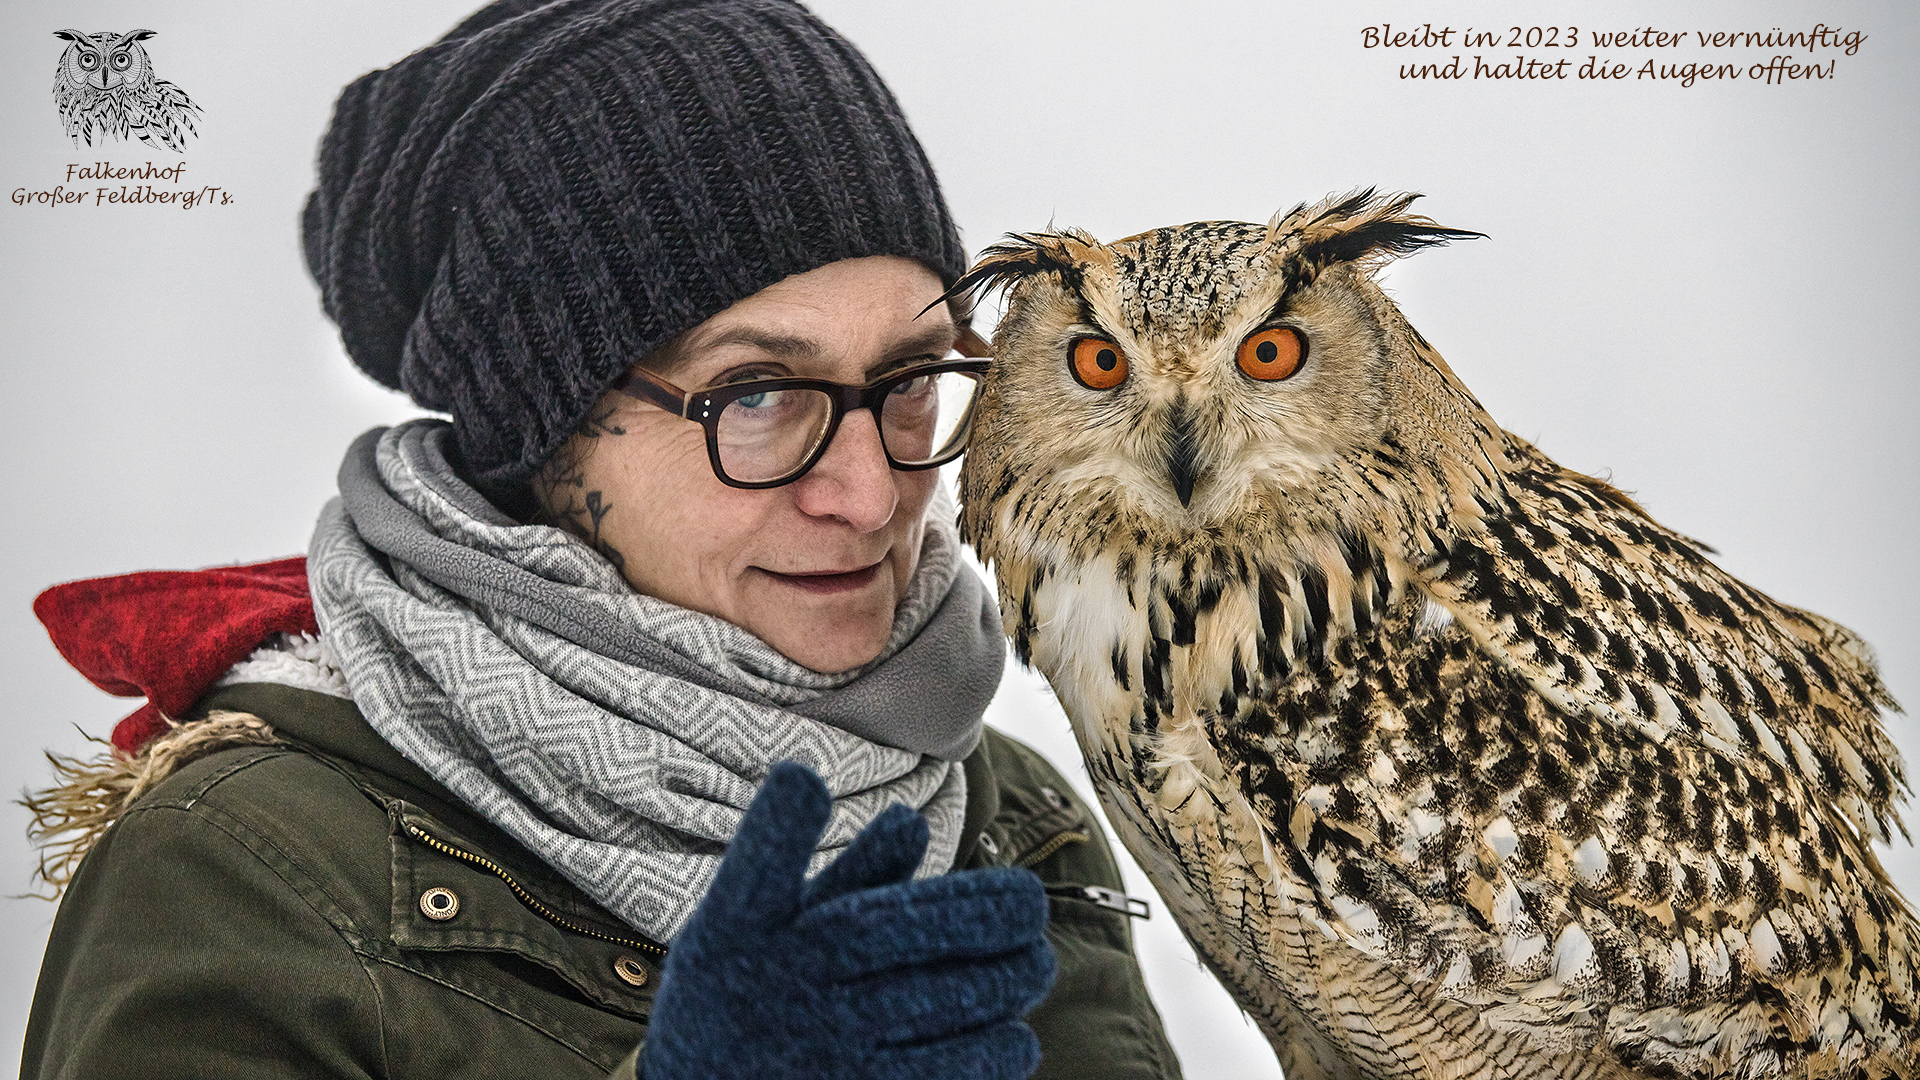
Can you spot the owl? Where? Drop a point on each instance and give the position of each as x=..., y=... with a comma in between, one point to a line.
x=1451, y=763
x=105, y=84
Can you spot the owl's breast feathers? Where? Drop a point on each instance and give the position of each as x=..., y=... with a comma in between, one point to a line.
x=1530, y=754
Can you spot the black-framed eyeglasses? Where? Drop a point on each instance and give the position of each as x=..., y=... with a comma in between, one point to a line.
x=768, y=432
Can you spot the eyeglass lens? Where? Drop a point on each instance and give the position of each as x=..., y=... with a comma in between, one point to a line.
x=769, y=435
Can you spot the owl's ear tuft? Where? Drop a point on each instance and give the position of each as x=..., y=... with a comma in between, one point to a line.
x=74, y=35
x=1020, y=256
x=134, y=35
x=1357, y=227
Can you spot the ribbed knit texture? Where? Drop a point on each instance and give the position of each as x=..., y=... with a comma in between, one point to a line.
x=509, y=218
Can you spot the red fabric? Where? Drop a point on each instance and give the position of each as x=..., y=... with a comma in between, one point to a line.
x=168, y=635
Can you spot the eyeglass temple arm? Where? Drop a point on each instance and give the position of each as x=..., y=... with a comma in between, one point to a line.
x=647, y=386
x=969, y=343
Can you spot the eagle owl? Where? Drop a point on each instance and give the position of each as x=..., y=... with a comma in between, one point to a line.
x=1450, y=762
x=105, y=84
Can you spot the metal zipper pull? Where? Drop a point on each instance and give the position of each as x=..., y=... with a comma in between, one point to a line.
x=1106, y=898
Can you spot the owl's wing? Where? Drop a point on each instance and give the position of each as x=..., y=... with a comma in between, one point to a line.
x=72, y=99
x=1601, y=785
x=1607, y=613
x=165, y=113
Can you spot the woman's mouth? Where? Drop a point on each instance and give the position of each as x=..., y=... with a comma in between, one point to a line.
x=829, y=582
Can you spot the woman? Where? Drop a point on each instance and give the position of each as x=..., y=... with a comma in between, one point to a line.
x=501, y=745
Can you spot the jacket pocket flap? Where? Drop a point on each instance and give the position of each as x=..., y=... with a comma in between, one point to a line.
x=451, y=896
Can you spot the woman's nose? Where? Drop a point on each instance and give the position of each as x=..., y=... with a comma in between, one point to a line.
x=852, y=480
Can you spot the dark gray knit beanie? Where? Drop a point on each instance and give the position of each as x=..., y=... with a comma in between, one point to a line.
x=510, y=217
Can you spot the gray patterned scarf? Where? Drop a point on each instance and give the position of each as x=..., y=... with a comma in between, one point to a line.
x=619, y=736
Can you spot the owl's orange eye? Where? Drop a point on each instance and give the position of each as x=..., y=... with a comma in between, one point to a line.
x=1097, y=363
x=1272, y=354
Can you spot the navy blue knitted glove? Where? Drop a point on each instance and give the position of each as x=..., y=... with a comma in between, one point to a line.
x=859, y=974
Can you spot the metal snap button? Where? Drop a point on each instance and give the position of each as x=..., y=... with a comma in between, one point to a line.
x=630, y=970
x=1054, y=798
x=988, y=845
x=439, y=904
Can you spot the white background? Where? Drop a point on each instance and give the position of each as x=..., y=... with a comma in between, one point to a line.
x=1704, y=292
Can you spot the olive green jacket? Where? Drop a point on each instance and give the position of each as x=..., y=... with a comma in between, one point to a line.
x=325, y=909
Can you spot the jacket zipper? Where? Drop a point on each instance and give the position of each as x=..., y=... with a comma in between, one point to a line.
x=527, y=898
x=1045, y=851
x=1106, y=898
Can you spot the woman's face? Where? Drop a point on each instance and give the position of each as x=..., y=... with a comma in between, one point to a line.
x=814, y=568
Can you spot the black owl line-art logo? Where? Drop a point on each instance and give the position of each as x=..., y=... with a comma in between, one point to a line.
x=105, y=84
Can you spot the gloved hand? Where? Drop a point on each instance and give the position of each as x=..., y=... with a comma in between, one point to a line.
x=859, y=974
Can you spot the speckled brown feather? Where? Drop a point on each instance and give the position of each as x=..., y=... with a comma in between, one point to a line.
x=1452, y=763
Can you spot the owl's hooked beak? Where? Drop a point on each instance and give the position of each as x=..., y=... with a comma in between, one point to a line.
x=1182, y=455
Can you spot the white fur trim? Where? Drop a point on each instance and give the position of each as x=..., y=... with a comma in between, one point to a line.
x=299, y=660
